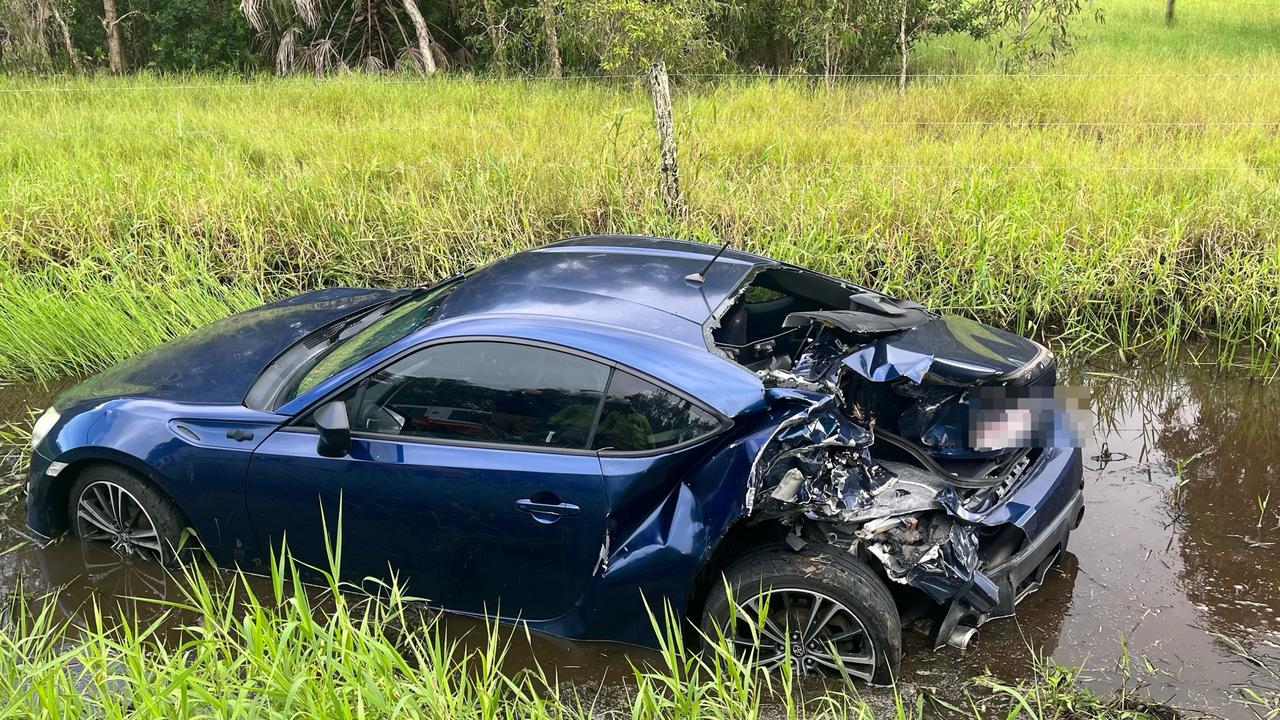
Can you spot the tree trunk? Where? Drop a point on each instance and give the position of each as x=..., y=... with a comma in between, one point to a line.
x=111, y=23
x=1168, y=12
x=553, y=40
x=66, y=36
x=495, y=35
x=37, y=30
x=902, y=46
x=428, y=60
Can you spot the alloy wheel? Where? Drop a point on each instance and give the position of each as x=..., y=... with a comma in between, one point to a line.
x=820, y=634
x=106, y=512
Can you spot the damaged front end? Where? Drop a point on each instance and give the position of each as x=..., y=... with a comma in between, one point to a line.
x=877, y=455
x=817, y=474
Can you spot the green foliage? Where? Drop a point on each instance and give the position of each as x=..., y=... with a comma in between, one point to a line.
x=167, y=35
x=191, y=35
x=15, y=451
x=625, y=36
x=1096, y=211
x=812, y=36
x=504, y=36
x=1031, y=33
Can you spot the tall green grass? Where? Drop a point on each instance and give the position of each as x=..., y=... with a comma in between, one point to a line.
x=1135, y=209
x=230, y=648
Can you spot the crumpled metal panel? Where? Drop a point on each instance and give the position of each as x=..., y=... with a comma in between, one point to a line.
x=882, y=362
x=818, y=442
x=817, y=462
x=939, y=556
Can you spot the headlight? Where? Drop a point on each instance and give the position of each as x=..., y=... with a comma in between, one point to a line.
x=43, y=425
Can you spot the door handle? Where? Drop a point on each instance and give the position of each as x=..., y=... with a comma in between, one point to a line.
x=547, y=512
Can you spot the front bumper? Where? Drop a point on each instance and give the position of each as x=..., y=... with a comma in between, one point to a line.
x=41, y=518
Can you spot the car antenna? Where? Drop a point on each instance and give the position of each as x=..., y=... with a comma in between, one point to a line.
x=700, y=277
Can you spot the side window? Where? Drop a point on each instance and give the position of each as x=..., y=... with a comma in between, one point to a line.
x=639, y=415
x=484, y=392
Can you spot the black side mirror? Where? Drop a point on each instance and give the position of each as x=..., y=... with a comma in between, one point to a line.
x=335, y=430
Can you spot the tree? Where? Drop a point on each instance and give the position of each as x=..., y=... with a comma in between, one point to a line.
x=111, y=24
x=833, y=37
x=425, y=56
x=1168, y=12
x=553, y=42
x=626, y=36
x=306, y=36
x=27, y=39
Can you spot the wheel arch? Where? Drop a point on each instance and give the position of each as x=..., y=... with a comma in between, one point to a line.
x=742, y=539
x=57, y=496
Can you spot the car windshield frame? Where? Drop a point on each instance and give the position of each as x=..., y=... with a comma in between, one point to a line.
x=283, y=380
x=387, y=325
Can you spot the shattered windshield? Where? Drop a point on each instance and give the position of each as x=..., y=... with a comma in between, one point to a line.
x=370, y=335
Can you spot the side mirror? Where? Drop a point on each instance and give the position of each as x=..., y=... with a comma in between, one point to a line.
x=335, y=430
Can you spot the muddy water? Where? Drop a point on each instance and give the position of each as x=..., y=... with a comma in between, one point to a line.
x=1180, y=543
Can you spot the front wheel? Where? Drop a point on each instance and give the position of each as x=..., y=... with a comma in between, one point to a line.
x=826, y=609
x=112, y=506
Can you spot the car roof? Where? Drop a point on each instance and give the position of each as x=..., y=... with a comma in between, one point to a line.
x=622, y=298
x=625, y=281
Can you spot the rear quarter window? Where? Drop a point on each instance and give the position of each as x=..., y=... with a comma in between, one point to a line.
x=639, y=415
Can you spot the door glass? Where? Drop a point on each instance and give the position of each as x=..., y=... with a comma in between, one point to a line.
x=485, y=392
x=639, y=415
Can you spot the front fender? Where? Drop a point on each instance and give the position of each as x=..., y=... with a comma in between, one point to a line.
x=185, y=450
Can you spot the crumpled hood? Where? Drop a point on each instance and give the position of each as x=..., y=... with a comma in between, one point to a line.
x=217, y=363
x=953, y=349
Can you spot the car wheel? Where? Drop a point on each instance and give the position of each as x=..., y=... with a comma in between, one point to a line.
x=113, y=506
x=832, y=613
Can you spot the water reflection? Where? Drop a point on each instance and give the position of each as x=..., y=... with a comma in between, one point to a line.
x=1211, y=441
x=1183, y=493
x=90, y=574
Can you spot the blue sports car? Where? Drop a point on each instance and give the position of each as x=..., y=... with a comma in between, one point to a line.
x=577, y=429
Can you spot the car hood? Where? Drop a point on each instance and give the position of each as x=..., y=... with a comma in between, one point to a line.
x=950, y=350
x=217, y=363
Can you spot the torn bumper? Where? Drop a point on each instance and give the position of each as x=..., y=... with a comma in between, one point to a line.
x=1023, y=573
x=1046, y=508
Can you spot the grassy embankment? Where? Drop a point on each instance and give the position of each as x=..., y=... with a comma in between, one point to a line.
x=1139, y=208
x=242, y=651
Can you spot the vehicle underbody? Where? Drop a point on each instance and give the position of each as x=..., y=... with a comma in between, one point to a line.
x=876, y=457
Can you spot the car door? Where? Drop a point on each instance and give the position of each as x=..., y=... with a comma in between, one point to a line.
x=468, y=478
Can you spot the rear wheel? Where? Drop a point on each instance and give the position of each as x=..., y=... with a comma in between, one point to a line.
x=827, y=610
x=113, y=506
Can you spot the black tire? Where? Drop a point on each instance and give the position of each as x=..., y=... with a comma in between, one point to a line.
x=97, y=482
x=836, y=576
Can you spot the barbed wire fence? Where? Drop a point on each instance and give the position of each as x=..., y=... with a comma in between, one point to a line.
x=657, y=85
x=365, y=80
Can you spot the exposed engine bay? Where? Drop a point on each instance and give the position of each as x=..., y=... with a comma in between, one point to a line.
x=877, y=455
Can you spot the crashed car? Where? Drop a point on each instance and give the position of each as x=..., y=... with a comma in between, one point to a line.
x=581, y=432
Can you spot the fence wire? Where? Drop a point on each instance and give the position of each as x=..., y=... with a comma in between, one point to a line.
x=367, y=80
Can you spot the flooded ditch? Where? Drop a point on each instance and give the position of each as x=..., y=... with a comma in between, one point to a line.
x=1180, y=545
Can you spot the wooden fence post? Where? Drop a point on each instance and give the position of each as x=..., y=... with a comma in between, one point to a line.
x=1168, y=12
x=668, y=174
